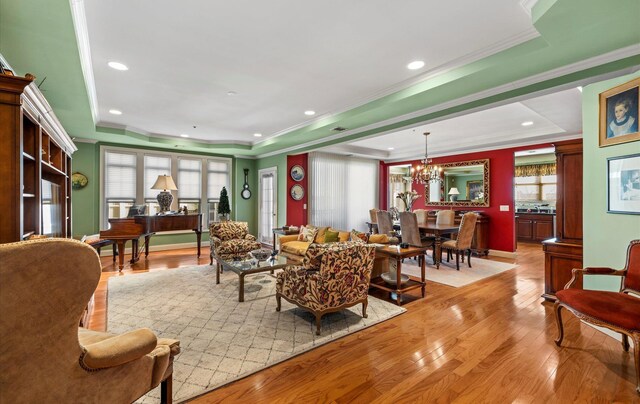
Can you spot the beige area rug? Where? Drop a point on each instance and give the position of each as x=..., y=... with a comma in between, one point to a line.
x=222, y=339
x=448, y=275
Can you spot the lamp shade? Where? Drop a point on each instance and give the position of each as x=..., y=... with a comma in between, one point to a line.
x=164, y=182
x=454, y=191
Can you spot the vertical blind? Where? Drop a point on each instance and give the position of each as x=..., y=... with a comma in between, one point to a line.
x=153, y=167
x=342, y=189
x=120, y=175
x=189, y=178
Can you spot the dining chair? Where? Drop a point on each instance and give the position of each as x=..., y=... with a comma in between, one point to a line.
x=445, y=217
x=463, y=242
x=422, y=215
x=373, y=216
x=385, y=224
x=411, y=232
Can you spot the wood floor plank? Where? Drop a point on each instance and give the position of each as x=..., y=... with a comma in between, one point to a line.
x=488, y=342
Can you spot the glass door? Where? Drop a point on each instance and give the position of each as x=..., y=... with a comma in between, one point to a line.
x=267, y=204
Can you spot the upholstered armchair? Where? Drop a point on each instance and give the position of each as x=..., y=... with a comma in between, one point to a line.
x=332, y=277
x=231, y=239
x=617, y=311
x=45, y=356
x=462, y=244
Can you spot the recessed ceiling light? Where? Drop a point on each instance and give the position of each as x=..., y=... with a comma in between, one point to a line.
x=527, y=123
x=231, y=93
x=309, y=113
x=118, y=66
x=389, y=148
x=115, y=112
x=184, y=135
x=415, y=65
x=257, y=134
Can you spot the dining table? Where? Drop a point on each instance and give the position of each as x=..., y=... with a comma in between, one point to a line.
x=438, y=230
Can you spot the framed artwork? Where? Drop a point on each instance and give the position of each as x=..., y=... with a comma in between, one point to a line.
x=623, y=184
x=297, y=192
x=475, y=189
x=297, y=173
x=619, y=113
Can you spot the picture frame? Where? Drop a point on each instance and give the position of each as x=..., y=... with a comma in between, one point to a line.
x=297, y=173
x=623, y=184
x=474, y=189
x=297, y=192
x=619, y=114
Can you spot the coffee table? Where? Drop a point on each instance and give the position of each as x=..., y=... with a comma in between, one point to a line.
x=246, y=266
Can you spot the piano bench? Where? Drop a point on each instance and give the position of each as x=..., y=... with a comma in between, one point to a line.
x=98, y=244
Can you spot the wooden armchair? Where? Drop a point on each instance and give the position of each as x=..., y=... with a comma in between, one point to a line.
x=45, y=356
x=617, y=311
x=231, y=239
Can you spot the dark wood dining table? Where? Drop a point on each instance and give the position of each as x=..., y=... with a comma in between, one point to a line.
x=438, y=231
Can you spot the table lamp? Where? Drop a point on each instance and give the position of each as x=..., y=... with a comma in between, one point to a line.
x=166, y=184
x=453, y=194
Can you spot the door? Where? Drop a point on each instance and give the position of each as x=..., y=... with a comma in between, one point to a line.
x=267, y=204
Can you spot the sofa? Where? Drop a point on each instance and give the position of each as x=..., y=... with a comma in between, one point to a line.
x=295, y=250
x=332, y=277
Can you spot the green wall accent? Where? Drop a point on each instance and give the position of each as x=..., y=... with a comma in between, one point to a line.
x=606, y=235
x=85, y=203
x=246, y=210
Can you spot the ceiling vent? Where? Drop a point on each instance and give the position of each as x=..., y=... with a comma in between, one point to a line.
x=339, y=129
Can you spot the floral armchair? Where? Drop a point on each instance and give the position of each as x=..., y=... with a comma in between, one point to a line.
x=331, y=278
x=231, y=239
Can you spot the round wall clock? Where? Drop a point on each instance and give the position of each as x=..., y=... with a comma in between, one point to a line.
x=246, y=192
x=297, y=173
x=297, y=192
x=79, y=180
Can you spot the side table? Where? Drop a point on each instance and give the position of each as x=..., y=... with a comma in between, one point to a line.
x=397, y=253
x=282, y=232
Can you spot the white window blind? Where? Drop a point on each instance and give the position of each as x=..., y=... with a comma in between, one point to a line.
x=153, y=167
x=189, y=179
x=342, y=190
x=217, y=177
x=120, y=175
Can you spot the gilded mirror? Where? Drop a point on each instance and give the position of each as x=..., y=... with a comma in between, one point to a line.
x=464, y=183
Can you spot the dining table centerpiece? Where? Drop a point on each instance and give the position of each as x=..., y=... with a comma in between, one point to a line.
x=408, y=198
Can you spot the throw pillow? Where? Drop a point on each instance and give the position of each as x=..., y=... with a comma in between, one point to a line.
x=330, y=236
x=379, y=238
x=320, y=236
x=308, y=235
x=358, y=236
x=301, y=234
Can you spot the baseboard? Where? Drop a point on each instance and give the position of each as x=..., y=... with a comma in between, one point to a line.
x=503, y=254
x=108, y=251
x=615, y=335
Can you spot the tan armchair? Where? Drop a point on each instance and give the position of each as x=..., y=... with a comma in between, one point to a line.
x=462, y=244
x=231, y=239
x=333, y=277
x=46, y=357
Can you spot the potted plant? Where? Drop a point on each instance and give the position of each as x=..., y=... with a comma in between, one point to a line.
x=223, y=206
x=408, y=198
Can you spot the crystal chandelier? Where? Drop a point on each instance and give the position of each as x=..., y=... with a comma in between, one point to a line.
x=425, y=173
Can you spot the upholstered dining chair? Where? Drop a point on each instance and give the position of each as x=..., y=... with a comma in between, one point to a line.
x=45, y=356
x=462, y=244
x=385, y=223
x=617, y=311
x=422, y=216
x=373, y=216
x=411, y=232
x=446, y=217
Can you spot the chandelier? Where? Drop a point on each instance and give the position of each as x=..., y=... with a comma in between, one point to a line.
x=425, y=173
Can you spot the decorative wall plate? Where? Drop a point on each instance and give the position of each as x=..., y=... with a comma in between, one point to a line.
x=297, y=173
x=79, y=180
x=297, y=192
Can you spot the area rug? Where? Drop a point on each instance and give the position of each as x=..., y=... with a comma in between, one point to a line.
x=448, y=275
x=222, y=339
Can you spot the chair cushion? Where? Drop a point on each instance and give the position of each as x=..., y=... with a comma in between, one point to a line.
x=613, y=308
x=450, y=244
x=295, y=247
x=236, y=247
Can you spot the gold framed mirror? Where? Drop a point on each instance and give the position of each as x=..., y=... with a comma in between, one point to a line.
x=464, y=183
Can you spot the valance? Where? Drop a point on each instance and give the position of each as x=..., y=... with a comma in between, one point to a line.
x=534, y=170
x=396, y=177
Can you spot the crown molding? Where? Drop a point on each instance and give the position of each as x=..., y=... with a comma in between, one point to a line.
x=84, y=51
x=528, y=5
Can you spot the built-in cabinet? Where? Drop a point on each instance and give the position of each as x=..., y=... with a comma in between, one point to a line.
x=35, y=164
x=534, y=227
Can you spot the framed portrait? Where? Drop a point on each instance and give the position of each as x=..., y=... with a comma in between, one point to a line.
x=474, y=189
x=297, y=173
x=619, y=113
x=623, y=184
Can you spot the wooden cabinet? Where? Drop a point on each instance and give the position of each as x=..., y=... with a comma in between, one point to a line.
x=35, y=164
x=564, y=253
x=534, y=227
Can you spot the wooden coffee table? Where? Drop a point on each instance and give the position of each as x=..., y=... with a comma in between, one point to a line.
x=247, y=266
x=397, y=253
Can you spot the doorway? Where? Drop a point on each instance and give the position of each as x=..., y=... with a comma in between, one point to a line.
x=267, y=203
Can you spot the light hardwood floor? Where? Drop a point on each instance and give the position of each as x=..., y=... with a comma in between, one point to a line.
x=491, y=341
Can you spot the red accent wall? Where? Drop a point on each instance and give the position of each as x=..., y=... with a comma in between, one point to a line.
x=501, y=174
x=296, y=213
x=383, y=187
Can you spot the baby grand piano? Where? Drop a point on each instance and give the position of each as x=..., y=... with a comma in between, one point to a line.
x=133, y=228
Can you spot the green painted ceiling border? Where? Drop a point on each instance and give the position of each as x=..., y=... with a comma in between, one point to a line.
x=37, y=36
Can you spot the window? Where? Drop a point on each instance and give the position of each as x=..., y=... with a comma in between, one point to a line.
x=190, y=180
x=536, y=188
x=129, y=175
x=120, y=183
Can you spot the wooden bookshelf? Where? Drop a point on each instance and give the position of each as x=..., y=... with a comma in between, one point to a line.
x=36, y=161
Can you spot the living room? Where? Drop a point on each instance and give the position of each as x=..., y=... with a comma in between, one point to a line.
x=318, y=128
